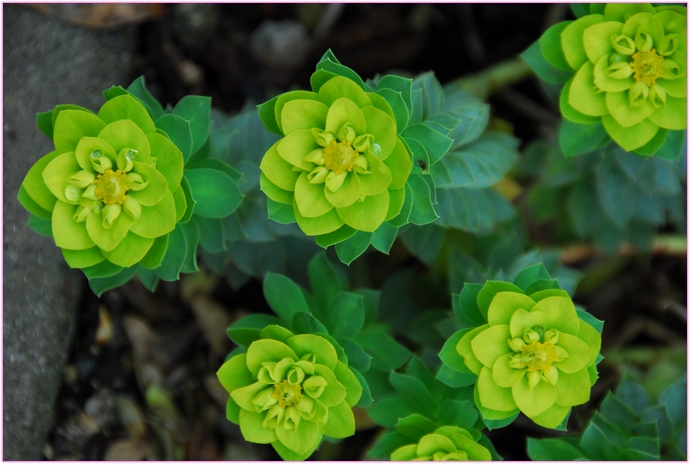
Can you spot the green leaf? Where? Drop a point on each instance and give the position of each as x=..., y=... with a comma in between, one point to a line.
x=284, y=296
x=328, y=64
x=178, y=130
x=400, y=110
x=422, y=211
x=425, y=242
x=44, y=121
x=673, y=146
x=148, y=278
x=533, y=273
x=454, y=378
x=247, y=330
x=139, y=90
x=544, y=70
x=346, y=315
x=387, y=354
x=490, y=290
x=267, y=114
x=192, y=233
x=211, y=234
x=384, y=237
x=465, y=305
x=470, y=166
x=399, y=84
x=175, y=255
x=436, y=144
x=415, y=392
x=551, y=48
x=280, y=212
x=577, y=139
x=101, y=285
x=553, y=449
x=351, y=248
x=215, y=194
x=105, y=269
x=42, y=226
x=304, y=323
x=197, y=111
x=357, y=357
x=387, y=411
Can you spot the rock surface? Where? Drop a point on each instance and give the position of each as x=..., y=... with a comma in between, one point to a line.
x=46, y=62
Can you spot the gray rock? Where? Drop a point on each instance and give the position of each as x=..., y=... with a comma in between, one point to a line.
x=46, y=62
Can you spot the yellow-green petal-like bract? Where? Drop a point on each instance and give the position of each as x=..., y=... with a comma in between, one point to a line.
x=448, y=443
x=290, y=392
x=535, y=356
x=629, y=66
x=332, y=163
x=108, y=185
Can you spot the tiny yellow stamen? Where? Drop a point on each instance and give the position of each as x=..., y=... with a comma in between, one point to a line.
x=339, y=156
x=536, y=356
x=111, y=186
x=286, y=394
x=647, y=66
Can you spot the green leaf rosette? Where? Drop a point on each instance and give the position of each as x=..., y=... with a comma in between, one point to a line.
x=447, y=443
x=340, y=163
x=132, y=190
x=109, y=186
x=535, y=353
x=290, y=391
x=623, y=68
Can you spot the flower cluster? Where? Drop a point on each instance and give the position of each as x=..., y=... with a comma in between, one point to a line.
x=536, y=357
x=340, y=162
x=445, y=444
x=290, y=391
x=630, y=67
x=108, y=185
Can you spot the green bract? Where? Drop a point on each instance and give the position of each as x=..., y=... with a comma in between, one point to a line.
x=534, y=355
x=341, y=164
x=446, y=443
x=290, y=391
x=629, y=65
x=109, y=186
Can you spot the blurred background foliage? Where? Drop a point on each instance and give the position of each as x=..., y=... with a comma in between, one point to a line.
x=140, y=381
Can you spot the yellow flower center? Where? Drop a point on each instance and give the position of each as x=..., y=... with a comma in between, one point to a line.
x=339, y=156
x=647, y=66
x=111, y=186
x=286, y=394
x=536, y=356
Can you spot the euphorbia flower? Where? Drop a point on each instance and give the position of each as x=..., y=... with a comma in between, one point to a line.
x=341, y=162
x=630, y=69
x=535, y=357
x=290, y=391
x=108, y=185
x=445, y=444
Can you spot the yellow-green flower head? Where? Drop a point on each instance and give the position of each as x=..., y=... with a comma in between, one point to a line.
x=340, y=162
x=630, y=65
x=290, y=391
x=108, y=185
x=536, y=357
x=445, y=444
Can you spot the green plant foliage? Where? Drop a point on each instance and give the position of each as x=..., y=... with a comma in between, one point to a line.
x=623, y=67
x=627, y=426
x=120, y=188
x=341, y=163
x=330, y=310
x=248, y=244
x=526, y=349
x=441, y=135
x=290, y=390
x=607, y=196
